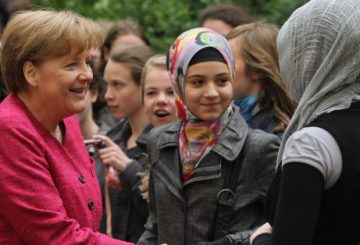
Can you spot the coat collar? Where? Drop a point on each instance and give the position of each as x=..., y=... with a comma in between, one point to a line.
x=143, y=139
x=232, y=140
x=170, y=135
x=229, y=143
x=122, y=131
x=167, y=166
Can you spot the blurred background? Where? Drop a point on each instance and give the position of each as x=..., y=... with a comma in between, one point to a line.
x=161, y=20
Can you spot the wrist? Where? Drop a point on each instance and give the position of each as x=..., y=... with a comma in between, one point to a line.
x=128, y=162
x=262, y=238
x=125, y=165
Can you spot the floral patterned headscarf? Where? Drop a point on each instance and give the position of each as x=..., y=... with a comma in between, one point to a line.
x=183, y=50
x=196, y=137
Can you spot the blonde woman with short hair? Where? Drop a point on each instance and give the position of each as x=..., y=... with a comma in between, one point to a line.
x=48, y=186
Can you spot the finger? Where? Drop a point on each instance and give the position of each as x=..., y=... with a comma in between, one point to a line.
x=111, y=161
x=104, y=151
x=114, y=149
x=115, y=163
x=111, y=156
x=106, y=139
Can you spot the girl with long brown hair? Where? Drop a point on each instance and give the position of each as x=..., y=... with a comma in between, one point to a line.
x=125, y=154
x=259, y=90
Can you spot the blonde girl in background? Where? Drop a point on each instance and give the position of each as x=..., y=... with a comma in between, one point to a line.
x=157, y=92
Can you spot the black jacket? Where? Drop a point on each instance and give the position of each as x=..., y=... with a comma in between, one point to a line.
x=128, y=209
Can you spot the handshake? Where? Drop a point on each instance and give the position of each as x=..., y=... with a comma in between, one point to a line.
x=240, y=238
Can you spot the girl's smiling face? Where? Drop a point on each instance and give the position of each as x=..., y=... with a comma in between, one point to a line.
x=159, y=99
x=208, y=90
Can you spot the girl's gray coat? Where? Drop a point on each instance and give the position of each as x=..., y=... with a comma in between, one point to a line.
x=181, y=213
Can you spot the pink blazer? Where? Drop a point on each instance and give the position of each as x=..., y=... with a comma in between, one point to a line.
x=49, y=192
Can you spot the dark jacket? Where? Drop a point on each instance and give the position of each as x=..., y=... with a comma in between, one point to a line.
x=181, y=213
x=263, y=118
x=128, y=209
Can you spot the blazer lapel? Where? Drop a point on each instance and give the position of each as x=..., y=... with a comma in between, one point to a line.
x=167, y=165
x=168, y=170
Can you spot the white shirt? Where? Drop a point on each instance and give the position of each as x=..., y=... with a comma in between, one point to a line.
x=318, y=148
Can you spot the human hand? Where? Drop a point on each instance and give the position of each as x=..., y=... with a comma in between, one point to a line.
x=222, y=241
x=112, y=155
x=265, y=228
x=112, y=178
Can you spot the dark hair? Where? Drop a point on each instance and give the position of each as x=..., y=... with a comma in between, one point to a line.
x=232, y=15
x=121, y=28
x=134, y=57
x=4, y=15
x=118, y=29
x=97, y=84
x=3, y=90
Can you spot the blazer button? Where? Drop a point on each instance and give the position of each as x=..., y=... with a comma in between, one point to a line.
x=82, y=179
x=91, y=205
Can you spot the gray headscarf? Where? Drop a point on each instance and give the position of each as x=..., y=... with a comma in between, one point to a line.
x=319, y=52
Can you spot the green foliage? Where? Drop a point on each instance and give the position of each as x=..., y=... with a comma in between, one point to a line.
x=275, y=11
x=163, y=20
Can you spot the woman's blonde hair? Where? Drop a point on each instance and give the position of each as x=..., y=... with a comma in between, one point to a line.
x=38, y=35
x=156, y=61
x=257, y=47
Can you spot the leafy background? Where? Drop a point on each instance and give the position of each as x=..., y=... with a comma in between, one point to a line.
x=163, y=20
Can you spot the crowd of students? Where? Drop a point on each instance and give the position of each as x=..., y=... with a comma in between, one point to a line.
x=239, y=134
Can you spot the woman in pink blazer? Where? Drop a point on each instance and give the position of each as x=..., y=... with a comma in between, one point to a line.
x=48, y=186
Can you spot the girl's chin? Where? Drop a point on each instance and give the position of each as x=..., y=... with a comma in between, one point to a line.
x=159, y=121
x=209, y=117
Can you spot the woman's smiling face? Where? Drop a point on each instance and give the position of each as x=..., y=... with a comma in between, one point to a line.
x=62, y=83
x=208, y=90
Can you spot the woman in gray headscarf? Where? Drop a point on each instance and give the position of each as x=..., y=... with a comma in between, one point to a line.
x=315, y=196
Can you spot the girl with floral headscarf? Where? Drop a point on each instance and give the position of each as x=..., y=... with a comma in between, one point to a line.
x=190, y=158
x=315, y=196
